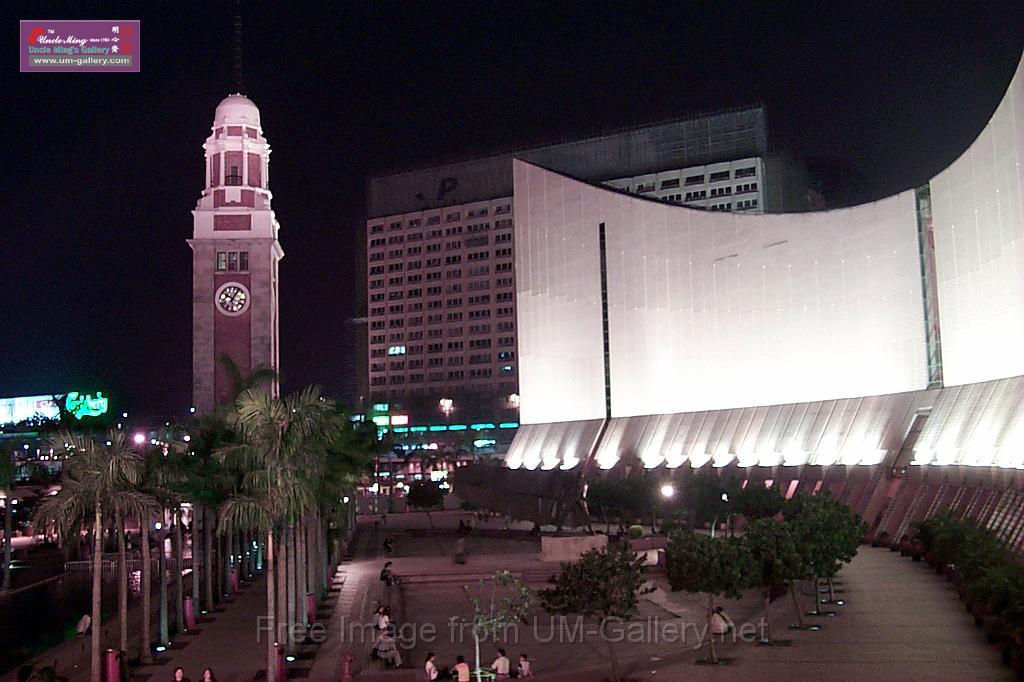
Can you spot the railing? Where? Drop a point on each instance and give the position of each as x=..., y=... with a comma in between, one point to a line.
x=109, y=567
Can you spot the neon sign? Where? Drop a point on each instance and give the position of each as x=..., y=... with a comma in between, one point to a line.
x=80, y=405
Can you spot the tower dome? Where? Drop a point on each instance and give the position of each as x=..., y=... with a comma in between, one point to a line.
x=237, y=109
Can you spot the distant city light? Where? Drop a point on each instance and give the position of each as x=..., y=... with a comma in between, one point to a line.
x=192, y=410
x=139, y=438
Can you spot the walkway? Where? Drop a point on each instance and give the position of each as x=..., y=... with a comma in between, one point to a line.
x=900, y=621
x=227, y=643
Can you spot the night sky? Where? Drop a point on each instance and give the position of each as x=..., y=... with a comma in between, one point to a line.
x=101, y=171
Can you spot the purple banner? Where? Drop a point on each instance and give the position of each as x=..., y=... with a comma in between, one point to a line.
x=86, y=45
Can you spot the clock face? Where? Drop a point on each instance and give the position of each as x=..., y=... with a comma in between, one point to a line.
x=232, y=299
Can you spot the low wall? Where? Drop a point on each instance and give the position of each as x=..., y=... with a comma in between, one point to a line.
x=569, y=548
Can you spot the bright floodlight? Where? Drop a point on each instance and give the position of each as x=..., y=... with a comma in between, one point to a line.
x=668, y=490
x=345, y=499
x=139, y=438
x=725, y=497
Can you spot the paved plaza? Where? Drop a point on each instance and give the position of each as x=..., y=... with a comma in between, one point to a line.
x=900, y=621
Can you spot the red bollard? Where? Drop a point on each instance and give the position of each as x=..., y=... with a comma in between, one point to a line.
x=111, y=665
x=346, y=668
x=281, y=674
x=234, y=579
x=190, y=614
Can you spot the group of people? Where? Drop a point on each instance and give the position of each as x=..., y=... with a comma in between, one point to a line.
x=385, y=646
x=179, y=675
x=460, y=672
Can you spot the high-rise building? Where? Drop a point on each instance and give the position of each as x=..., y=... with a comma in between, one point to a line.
x=235, y=255
x=441, y=308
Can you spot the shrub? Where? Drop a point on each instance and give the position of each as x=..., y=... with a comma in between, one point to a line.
x=635, y=532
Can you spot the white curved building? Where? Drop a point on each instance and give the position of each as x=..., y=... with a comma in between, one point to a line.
x=788, y=346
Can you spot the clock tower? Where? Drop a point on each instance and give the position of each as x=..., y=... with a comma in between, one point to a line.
x=235, y=256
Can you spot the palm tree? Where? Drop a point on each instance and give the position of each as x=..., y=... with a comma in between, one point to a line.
x=280, y=440
x=93, y=477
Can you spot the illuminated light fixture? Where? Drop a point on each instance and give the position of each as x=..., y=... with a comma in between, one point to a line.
x=187, y=438
x=382, y=420
x=794, y=458
x=439, y=428
x=722, y=459
x=697, y=461
x=668, y=491
x=483, y=442
x=447, y=406
x=396, y=350
x=481, y=427
x=508, y=425
x=513, y=401
x=401, y=429
x=345, y=499
x=290, y=659
x=457, y=427
x=161, y=648
x=380, y=407
x=432, y=446
x=675, y=460
x=400, y=420
x=192, y=410
x=158, y=525
x=375, y=488
x=417, y=429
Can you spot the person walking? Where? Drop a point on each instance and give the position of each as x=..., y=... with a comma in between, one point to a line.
x=721, y=623
x=501, y=666
x=208, y=675
x=430, y=672
x=179, y=675
x=461, y=669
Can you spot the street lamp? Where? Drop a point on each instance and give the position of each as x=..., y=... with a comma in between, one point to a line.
x=668, y=491
x=513, y=401
x=447, y=406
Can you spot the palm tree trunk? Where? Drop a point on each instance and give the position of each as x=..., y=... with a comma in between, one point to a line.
x=281, y=562
x=710, y=635
x=301, y=564
x=271, y=599
x=226, y=564
x=161, y=563
x=197, y=512
x=766, y=636
x=313, y=561
x=209, y=521
x=179, y=563
x=145, y=654
x=97, y=587
x=7, y=542
x=290, y=550
x=122, y=583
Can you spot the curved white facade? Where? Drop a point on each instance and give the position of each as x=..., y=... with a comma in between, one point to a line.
x=719, y=313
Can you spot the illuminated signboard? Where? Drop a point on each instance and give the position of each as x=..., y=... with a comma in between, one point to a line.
x=15, y=410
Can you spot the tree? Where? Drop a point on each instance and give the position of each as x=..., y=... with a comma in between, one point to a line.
x=425, y=495
x=603, y=584
x=92, y=475
x=777, y=558
x=709, y=497
x=700, y=564
x=827, y=534
x=507, y=604
x=278, y=455
x=757, y=501
x=8, y=472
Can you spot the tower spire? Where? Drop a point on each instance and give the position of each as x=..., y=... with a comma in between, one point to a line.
x=238, y=45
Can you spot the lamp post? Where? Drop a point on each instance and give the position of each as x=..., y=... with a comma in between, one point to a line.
x=447, y=406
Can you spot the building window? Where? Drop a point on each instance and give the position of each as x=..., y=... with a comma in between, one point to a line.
x=234, y=177
x=222, y=260
x=746, y=172
x=694, y=180
x=232, y=260
x=719, y=176
x=670, y=184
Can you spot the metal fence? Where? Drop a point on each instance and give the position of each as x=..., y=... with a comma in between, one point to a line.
x=109, y=567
